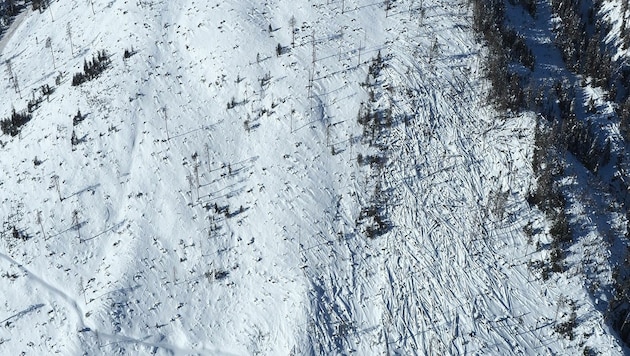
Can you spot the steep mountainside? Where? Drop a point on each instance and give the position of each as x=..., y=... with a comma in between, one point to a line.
x=278, y=177
x=567, y=61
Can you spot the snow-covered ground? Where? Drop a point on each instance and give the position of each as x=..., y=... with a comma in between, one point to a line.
x=216, y=203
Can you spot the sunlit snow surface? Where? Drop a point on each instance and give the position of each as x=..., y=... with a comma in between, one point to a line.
x=213, y=203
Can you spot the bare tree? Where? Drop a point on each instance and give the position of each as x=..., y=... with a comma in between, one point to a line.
x=75, y=223
x=314, y=47
x=40, y=223
x=292, y=23
x=55, y=182
x=9, y=69
x=191, y=183
x=168, y=138
x=82, y=289
x=69, y=33
x=13, y=78
x=196, y=168
x=207, y=147
x=49, y=45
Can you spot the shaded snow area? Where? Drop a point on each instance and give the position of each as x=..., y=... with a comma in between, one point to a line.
x=286, y=177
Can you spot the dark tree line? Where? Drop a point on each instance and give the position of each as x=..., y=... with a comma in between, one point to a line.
x=624, y=30
x=9, y=8
x=564, y=125
x=506, y=49
x=12, y=124
x=529, y=5
x=376, y=122
x=92, y=68
x=580, y=36
x=40, y=5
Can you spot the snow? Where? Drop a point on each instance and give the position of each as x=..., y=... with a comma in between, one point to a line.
x=131, y=256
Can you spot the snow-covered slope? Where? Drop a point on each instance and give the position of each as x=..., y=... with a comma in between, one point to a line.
x=220, y=194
